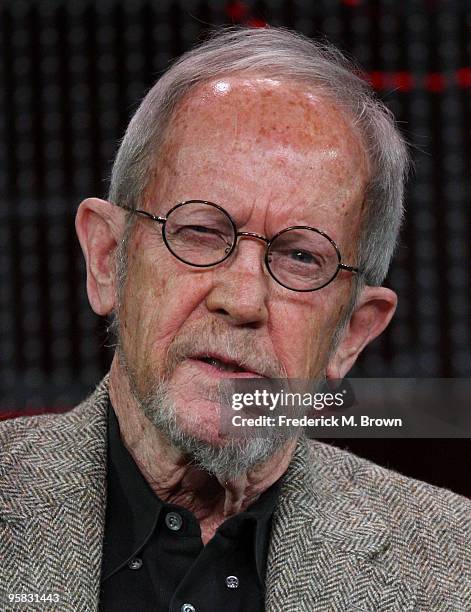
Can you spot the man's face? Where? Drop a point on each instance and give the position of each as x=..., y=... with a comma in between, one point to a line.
x=273, y=156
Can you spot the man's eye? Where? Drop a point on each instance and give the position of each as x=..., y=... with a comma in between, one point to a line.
x=304, y=257
x=201, y=229
x=202, y=234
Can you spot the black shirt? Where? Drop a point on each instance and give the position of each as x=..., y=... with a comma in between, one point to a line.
x=154, y=558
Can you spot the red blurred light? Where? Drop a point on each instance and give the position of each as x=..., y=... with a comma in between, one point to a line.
x=463, y=77
x=237, y=10
x=404, y=81
x=377, y=79
x=6, y=414
x=435, y=82
x=256, y=23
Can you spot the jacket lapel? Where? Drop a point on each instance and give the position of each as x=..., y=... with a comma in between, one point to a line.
x=329, y=551
x=52, y=505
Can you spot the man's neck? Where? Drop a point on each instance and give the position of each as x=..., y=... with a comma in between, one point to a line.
x=174, y=479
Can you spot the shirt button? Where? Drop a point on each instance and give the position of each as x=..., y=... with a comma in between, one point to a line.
x=135, y=564
x=232, y=582
x=174, y=522
x=188, y=608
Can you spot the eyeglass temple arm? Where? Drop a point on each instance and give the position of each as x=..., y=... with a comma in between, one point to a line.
x=349, y=268
x=142, y=212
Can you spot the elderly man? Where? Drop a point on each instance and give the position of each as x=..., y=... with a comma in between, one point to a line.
x=255, y=203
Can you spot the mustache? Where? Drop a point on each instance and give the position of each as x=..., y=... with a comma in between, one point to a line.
x=241, y=346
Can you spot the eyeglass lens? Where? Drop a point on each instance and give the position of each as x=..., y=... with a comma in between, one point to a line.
x=199, y=234
x=202, y=234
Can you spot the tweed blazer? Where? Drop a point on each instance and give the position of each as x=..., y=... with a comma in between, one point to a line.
x=347, y=535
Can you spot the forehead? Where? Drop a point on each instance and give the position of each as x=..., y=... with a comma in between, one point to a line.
x=287, y=113
x=263, y=138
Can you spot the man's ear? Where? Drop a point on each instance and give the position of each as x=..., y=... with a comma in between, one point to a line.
x=99, y=227
x=375, y=308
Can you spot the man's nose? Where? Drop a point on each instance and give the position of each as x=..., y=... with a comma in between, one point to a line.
x=241, y=286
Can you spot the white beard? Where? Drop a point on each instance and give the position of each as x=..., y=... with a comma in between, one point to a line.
x=236, y=456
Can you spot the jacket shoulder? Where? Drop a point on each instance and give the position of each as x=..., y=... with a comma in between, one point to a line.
x=26, y=437
x=399, y=499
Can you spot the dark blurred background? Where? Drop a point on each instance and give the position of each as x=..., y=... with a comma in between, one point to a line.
x=72, y=74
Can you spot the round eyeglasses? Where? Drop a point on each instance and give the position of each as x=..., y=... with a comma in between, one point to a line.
x=203, y=234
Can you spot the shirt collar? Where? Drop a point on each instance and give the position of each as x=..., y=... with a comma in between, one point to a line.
x=133, y=509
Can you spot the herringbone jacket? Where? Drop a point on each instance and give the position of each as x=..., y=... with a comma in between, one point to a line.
x=347, y=535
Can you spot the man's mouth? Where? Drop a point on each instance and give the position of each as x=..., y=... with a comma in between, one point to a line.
x=226, y=365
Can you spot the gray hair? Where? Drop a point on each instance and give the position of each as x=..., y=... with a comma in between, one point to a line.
x=282, y=54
